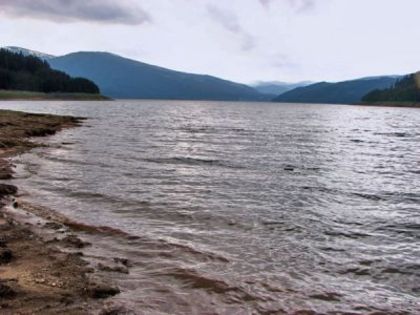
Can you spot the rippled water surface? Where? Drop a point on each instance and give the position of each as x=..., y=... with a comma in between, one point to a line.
x=242, y=208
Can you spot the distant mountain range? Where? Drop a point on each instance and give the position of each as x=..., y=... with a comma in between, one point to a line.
x=276, y=88
x=346, y=92
x=120, y=77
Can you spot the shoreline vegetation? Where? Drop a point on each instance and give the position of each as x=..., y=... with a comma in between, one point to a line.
x=6, y=95
x=37, y=274
x=392, y=104
x=12, y=95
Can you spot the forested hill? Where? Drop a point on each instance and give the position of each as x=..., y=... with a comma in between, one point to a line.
x=406, y=89
x=29, y=73
x=346, y=92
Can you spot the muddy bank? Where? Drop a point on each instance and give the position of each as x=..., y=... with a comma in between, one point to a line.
x=36, y=276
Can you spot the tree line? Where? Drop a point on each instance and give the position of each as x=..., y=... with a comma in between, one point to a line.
x=405, y=89
x=30, y=73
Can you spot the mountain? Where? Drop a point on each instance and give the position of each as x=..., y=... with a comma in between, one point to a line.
x=276, y=87
x=120, y=77
x=28, y=52
x=29, y=73
x=346, y=92
x=406, y=89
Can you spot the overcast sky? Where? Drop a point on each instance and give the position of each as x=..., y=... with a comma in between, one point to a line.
x=241, y=40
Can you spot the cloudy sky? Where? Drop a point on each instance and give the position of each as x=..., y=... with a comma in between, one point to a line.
x=241, y=40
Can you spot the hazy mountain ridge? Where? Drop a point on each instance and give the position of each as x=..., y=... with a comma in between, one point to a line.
x=120, y=77
x=345, y=92
x=276, y=87
x=28, y=52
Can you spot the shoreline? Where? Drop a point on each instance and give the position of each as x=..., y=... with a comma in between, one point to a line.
x=392, y=104
x=36, y=275
x=12, y=95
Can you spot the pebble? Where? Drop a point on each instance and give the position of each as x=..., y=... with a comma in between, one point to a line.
x=98, y=290
x=6, y=255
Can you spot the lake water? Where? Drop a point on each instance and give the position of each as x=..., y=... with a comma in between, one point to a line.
x=242, y=208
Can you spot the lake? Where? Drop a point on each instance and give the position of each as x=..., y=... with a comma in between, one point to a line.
x=241, y=208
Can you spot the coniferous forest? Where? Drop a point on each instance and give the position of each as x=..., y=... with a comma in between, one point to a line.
x=406, y=89
x=29, y=73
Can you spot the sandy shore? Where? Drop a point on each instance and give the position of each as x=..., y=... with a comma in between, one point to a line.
x=36, y=275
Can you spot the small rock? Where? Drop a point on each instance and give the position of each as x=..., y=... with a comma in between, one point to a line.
x=123, y=261
x=328, y=296
x=6, y=255
x=119, y=269
x=7, y=190
x=53, y=225
x=133, y=237
x=115, y=310
x=6, y=291
x=3, y=242
x=4, y=174
x=66, y=299
x=73, y=240
x=98, y=290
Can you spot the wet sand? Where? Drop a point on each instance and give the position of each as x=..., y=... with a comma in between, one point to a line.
x=36, y=275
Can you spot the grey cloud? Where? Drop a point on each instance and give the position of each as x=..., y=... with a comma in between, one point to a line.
x=298, y=5
x=104, y=11
x=303, y=5
x=265, y=2
x=227, y=19
x=285, y=65
x=230, y=22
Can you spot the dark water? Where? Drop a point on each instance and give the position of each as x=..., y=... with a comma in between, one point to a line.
x=243, y=208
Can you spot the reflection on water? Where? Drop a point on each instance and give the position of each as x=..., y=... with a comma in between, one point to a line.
x=243, y=208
